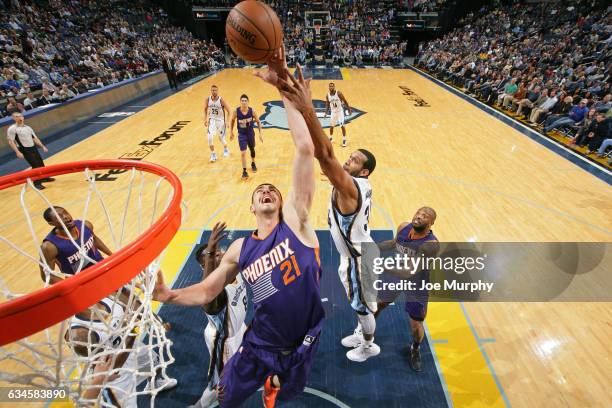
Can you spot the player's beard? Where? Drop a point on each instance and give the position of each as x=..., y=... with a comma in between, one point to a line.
x=420, y=228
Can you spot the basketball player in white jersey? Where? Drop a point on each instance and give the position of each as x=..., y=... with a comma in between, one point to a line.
x=226, y=314
x=348, y=215
x=334, y=102
x=214, y=115
x=96, y=333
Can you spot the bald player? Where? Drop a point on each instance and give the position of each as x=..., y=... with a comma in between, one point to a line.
x=410, y=238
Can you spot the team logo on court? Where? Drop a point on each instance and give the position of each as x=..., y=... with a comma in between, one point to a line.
x=275, y=117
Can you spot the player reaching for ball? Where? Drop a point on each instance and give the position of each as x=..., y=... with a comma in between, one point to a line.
x=280, y=262
x=348, y=218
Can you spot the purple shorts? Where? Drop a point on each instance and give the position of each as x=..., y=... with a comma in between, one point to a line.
x=246, y=140
x=248, y=369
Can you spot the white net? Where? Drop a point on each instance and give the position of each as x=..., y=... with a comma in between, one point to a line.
x=116, y=352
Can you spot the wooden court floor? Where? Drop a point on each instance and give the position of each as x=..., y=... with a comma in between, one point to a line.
x=487, y=182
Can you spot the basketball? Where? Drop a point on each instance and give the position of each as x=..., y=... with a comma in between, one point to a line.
x=254, y=31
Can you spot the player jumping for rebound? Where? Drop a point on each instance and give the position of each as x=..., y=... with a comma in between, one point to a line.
x=245, y=116
x=280, y=263
x=348, y=217
x=214, y=116
x=334, y=102
x=226, y=314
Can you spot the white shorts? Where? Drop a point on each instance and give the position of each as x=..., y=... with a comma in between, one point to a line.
x=337, y=118
x=356, y=285
x=133, y=372
x=216, y=126
x=231, y=346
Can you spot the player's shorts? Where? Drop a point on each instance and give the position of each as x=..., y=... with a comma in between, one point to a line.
x=350, y=273
x=337, y=118
x=216, y=126
x=251, y=365
x=415, y=300
x=222, y=346
x=122, y=390
x=246, y=140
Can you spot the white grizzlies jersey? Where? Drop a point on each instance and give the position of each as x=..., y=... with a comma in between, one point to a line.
x=230, y=318
x=105, y=323
x=215, y=109
x=224, y=332
x=334, y=102
x=349, y=231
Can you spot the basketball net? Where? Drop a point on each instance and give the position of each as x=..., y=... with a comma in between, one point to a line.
x=116, y=348
x=317, y=28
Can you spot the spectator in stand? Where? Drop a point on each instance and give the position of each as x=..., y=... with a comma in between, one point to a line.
x=45, y=99
x=83, y=86
x=65, y=93
x=560, y=109
x=604, y=105
x=544, y=107
x=29, y=102
x=13, y=106
x=534, y=97
x=509, y=90
x=598, y=132
x=580, y=139
x=576, y=115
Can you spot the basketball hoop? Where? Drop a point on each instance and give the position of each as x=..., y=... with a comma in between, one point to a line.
x=317, y=28
x=32, y=353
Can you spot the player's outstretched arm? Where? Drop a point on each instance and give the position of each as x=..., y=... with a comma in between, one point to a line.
x=232, y=125
x=298, y=204
x=298, y=92
x=204, y=292
x=303, y=182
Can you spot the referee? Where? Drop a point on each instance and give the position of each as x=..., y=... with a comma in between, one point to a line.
x=23, y=141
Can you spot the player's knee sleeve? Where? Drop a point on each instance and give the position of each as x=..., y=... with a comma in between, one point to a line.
x=368, y=323
x=210, y=138
x=252, y=149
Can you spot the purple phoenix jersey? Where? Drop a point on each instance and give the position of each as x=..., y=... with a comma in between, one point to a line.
x=68, y=255
x=245, y=122
x=416, y=306
x=406, y=245
x=283, y=274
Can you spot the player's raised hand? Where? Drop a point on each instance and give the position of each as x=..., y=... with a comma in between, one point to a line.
x=297, y=91
x=101, y=369
x=161, y=292
x=218, y=234
x=277, y=68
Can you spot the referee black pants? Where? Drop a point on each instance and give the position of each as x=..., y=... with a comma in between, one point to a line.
x=31, y=155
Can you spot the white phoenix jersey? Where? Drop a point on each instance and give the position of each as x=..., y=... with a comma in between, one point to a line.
x=215, y=110
x=334, y=102
x=349, y=231
x=105, y=323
